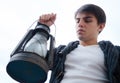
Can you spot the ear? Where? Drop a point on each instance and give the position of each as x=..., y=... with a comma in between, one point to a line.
x=101, y=27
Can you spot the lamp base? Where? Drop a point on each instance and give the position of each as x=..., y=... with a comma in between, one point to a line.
x=27, y=68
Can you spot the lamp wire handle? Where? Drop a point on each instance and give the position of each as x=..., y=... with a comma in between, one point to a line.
x=37, y=21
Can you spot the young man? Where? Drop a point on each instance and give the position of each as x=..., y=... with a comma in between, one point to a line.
x=88, y=61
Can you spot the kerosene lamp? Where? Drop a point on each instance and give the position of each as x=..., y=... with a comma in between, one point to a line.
x=31, y=59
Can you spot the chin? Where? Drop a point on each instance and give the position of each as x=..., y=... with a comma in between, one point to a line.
x=81, y=38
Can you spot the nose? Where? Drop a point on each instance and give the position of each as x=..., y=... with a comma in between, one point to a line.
x=81, y=23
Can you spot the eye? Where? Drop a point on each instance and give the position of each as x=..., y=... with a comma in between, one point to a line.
x=88, y=20
x=77, y=20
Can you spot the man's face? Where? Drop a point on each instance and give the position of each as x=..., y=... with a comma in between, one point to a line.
x=87, y=27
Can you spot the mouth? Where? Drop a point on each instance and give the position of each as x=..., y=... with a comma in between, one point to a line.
x=80, y=31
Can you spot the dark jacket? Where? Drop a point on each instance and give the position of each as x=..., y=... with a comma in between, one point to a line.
x=111, y=56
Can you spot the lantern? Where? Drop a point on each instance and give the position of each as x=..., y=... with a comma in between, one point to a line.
x=31, y=60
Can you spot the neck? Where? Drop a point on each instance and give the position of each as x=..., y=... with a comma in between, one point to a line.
x=87, y=43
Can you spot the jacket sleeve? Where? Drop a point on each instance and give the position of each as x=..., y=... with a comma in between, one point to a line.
x=57, y=56
x=118, y=48
x=117, y=69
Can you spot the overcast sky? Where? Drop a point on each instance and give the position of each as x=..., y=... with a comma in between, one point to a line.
x=16, y=16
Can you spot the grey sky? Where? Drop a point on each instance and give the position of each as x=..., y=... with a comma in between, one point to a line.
x=17, y=15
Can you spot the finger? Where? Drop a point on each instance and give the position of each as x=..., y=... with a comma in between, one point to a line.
x=47, y=17
x=53, y=17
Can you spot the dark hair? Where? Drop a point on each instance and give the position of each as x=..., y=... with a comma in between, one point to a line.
x=95, y=10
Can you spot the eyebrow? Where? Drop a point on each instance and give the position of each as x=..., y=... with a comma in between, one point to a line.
x=86, y=17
